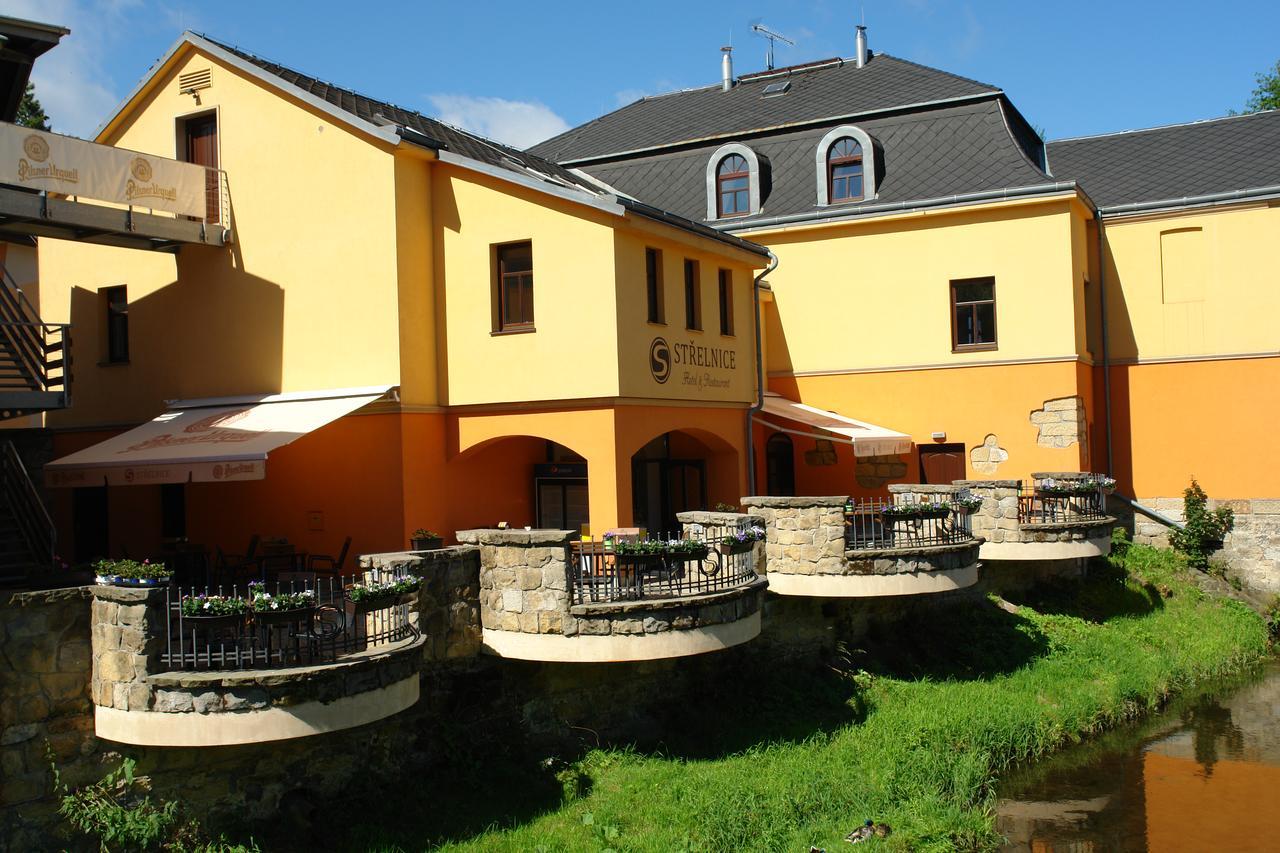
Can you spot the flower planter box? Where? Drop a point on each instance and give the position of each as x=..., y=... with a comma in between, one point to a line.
x=736, y=548
x=964, y=510
x=890, y=518
x=384, y=602
x=432, y=543
x=116, y=580
x=280, y=617
x=226, y=620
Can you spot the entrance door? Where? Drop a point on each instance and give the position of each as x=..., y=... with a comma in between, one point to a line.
x=780, y=466
x=202, y=149
x=89, y=521
x=661, y=488
x=563, y=504
x=941, y=464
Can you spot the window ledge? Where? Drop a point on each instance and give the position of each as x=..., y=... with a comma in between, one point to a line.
x=975, y=348
x=105, y=363
x=661, y=323
x=523, y=330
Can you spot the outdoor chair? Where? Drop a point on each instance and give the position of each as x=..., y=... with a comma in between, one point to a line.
x=239, y=568
x=325, y=564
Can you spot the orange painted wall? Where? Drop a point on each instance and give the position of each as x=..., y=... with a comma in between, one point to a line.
x=1189, y=810
x=1210, y=419
x=967, y=403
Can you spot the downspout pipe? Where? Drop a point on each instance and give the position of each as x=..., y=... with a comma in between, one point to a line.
x=759, y=402
x=1106, y=344
x=1151, y=513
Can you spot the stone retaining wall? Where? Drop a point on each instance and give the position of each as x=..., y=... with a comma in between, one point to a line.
x=629, y=618
x=524, y=580
x=929, y=558
x=448, y=603
x=996, y=521
x=1251, y=550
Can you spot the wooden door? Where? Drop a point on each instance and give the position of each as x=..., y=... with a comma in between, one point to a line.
x=941, y=464
x=202, y=149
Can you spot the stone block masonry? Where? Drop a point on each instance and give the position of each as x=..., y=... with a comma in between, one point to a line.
x=803, y=535
x=1062, y=422
x=524, y=579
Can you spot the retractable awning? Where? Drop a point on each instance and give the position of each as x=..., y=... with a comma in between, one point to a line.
x=867, y=439
x=222, y=439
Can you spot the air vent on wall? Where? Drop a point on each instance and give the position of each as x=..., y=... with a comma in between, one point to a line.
x=773, y=90
x=193, y=80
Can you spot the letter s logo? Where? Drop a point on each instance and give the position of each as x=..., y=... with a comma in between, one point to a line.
x=660, y=360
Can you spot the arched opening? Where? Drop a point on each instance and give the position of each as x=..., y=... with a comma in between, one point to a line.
x=679, y=472
x=780, y=462
x=521, y=480
x=844, y=171
x=733, y=187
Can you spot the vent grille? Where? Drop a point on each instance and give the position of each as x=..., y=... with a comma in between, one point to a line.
x=201, y=79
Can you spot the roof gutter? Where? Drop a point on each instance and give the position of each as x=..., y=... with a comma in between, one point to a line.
x=867, y=210
x=755, y=407
x=1206, y=200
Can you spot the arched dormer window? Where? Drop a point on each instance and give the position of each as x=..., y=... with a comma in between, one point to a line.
x=845, y=166
x=844, y=171
x=733, y=182
x=733, y=187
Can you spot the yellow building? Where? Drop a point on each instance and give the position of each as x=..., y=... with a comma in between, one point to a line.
x=376, y=302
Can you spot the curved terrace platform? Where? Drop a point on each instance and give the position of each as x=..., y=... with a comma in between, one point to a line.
x=832, y=547
x=163, y=677
x=546, y=597
x=1058, y=516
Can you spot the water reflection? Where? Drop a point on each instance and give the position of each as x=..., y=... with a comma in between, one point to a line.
x=1203, y=776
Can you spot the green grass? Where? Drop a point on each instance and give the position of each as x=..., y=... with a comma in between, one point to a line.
x=914, y=732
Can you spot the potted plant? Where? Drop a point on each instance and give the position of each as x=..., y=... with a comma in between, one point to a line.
x=686, y=550
x=131, y=573
x=281, y=607
x=914, y=511
x=375, y=595
x=637, y=552
x=426, y=540
x=741, y=541
x=966, y=504
x=214, y=611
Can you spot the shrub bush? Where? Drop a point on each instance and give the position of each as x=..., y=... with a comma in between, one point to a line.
x=1203, y=529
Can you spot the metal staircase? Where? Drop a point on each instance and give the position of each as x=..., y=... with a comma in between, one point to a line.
x=35, y=373
x=27, y=534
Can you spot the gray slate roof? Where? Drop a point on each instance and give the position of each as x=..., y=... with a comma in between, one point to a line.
x=1173, y=163
x=928, y=154
x=834, y=90
x=467, y=144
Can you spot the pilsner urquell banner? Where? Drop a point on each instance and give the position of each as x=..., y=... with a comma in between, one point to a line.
x=64, y=164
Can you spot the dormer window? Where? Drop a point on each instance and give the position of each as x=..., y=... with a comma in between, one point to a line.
x=844, y=171
x=734, y=181
x=733, y=187
x=845, y=166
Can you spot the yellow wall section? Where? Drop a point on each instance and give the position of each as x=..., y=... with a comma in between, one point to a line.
x=686, y=379
x=304, y=298
x=1194, y=283
x=876, y=293
x=415, y=264
x=573, y=353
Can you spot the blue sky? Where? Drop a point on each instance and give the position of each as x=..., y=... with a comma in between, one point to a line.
x=521, y=71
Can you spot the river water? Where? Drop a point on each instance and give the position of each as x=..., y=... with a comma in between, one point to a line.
x=1202, y=776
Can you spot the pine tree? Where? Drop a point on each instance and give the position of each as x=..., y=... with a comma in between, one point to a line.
x=30, y=113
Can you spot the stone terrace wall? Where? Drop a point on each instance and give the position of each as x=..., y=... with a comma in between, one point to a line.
x=803, y=536
x=1252, y=549
x=524, y=580
x=997, y=519
x=44, y=695
x=448, y=601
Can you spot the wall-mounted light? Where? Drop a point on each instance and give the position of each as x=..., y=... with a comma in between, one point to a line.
x=939, y=436
x=193, y=92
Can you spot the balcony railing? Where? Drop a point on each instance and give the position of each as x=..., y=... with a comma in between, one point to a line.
x=872, y=524
x=1036, y=505
x=599, y=573
x=315, y=620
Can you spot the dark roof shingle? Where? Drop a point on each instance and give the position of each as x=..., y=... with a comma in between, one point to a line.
x=930, y=154
x=831, y=91
x=1175, y=162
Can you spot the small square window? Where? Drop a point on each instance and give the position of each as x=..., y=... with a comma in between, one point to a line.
x=973, y=314
x=692, y=296
x=653, y=285
x=116, y=303
x=514, y=297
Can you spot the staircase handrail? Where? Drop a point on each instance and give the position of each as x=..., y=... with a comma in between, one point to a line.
x=34, y=522
x=32, y=339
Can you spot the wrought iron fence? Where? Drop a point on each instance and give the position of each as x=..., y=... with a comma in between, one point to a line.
x=1037, y=505
x=872, y=523
x=338, y=617
x=598, y=572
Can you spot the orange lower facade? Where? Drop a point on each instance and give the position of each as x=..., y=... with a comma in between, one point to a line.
x=379, y=477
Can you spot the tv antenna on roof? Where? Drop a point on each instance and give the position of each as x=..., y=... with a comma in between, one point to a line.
x=762, y=30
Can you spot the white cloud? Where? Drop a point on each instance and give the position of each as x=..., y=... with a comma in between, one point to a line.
x=517, y=123
x=71, y=79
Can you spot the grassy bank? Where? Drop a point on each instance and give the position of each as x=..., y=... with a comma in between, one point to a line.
x=913, y=731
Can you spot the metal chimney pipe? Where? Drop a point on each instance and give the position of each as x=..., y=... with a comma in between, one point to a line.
x=860, y=47
x=726, y=68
